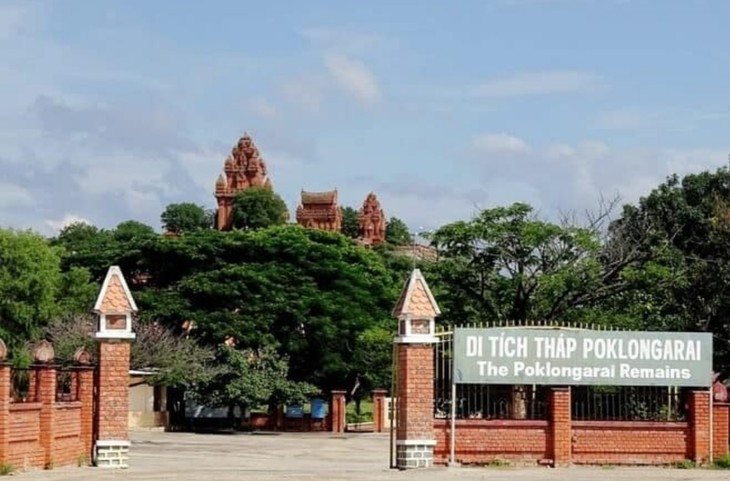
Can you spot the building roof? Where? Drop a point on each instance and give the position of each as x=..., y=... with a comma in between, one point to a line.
x=115, y=296
x=416, y=299
x=329, y=197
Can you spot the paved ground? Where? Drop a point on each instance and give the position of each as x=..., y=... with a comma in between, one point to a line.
x=354, y=457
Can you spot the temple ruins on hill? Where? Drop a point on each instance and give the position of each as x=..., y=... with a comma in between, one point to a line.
x=244, y=168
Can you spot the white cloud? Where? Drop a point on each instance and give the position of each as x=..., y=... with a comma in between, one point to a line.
x=65, y=221
x=13, y=18
x=573, y=176
x=354, y=77
x=261, y=107
x=499, y=143
x=12, y=195
x=539, y=83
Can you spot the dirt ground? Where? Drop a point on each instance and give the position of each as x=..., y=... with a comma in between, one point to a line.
x=305, y=456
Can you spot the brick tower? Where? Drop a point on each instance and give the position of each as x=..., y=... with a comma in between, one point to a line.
x=319, y=210
x=416, y=312
x=372, y=221
x=242, y=169
x=115, y=307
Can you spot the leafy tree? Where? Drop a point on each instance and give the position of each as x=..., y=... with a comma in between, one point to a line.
x=350, y=222
x=176, y=360
x=29, y=285
x=507, y=265
x=396, y=232
x=186, y=217
x=258, y=207
x=132, y=229
x=683, y=227
x=251, y=378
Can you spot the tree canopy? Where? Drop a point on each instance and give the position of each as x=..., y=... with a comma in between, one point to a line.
x=186, y=217
x=257, y=208
x=396, y=232
x=350, y=222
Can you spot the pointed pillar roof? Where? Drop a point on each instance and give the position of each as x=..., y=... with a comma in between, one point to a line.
x=416, y=300
x=115, y=296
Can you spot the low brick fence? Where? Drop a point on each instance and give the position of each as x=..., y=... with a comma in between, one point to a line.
x=45, y=431
x=561, y=441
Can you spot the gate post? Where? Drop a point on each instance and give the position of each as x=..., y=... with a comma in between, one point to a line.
x=115, y=307
x=379, y=416
x=561, y=425
x=4, y=404
x=416, y=312
x=339, y=412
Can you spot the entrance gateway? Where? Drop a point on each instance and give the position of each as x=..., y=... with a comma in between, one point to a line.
x=550, y=394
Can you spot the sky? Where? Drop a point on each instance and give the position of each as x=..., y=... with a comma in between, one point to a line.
x=111, y=110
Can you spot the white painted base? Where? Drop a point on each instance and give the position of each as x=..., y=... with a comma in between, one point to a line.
x=112, y=454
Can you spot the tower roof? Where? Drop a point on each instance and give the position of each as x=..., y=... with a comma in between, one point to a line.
x=329, y=197
x=416, y=299
x=115, y=296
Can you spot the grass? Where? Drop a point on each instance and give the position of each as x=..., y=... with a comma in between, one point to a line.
x=722, y=463
x=685, y=464
x=6, y=469
x=366, y=412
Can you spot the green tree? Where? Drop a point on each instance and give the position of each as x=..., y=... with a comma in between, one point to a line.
x=258, y=207
x=250, y=378
x=350, y=222
x=396, y=232
x=29, y=285
x=507, y=265
x=186, y=217
x=683, y=228
x=132, y=229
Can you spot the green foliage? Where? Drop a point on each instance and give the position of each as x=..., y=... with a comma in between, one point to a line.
x=29, y=285
x=350, y=222
x=251, y=377
x=131, y=230
x=507, y=265
x=396, y=232
x=685, y=464
x=6, y=469
x=373, y=357
x=186, y=217
x=722, y=463
x=257, y=208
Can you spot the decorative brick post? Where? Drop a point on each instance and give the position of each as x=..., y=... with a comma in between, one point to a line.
x=339, y=412
x=85, y=390
x=4, y=403
x=721, y=426
x=699, y=410
x=560, y=426
x=379, y=417
x=115, y=307
x=416, y=312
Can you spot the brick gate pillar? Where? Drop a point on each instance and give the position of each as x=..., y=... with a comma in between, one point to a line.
x=379, y=417
x=721, y=426
x=699, y=410
x=115, y=307
x=561, y=426
x=416, y=312
x=339, y=412
x=4, y=403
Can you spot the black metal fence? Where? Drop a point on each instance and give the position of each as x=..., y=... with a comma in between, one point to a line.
x=595, y=403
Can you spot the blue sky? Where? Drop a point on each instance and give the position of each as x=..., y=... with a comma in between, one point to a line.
x=113, y=109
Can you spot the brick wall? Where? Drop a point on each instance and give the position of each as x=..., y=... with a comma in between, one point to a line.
x=46, y=433
x=481, y=440
x=635, y=442
x=562, y=441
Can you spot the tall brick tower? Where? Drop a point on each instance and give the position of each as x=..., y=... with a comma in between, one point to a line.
x=115, y=307
x=416, y=312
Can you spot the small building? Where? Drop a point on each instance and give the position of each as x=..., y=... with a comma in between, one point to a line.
x=147, y=402
x=319, y=210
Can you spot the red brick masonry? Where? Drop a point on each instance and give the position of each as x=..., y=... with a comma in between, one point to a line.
x=46, y=433
x=561, y=441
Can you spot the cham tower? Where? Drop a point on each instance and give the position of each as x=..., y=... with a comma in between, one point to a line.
x=319, y=210
x=372, y=221
x=244, y=168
